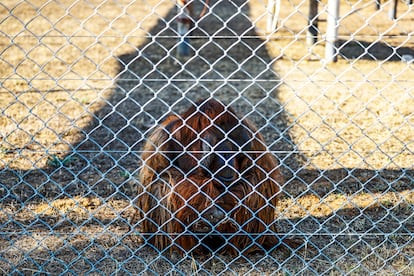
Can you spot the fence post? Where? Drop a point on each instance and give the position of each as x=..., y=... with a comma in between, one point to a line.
x=377, y=4
x=332, y=31
x=312, y=33
x=273, y=9
x=183, y=28
x=392, y=14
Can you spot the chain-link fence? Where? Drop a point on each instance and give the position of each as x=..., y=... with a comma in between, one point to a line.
x=85, y=83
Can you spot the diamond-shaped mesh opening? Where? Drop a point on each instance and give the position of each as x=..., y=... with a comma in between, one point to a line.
x=102, y=171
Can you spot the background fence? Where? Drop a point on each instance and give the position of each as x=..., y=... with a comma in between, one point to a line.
x=82, y=82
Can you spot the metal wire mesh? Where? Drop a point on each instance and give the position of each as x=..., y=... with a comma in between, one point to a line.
x=85, y=83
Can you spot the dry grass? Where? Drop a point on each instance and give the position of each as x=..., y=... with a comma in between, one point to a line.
x=356, y=113
x=58, y=66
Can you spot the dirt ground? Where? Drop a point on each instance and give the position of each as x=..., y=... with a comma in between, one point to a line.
x=83, y=82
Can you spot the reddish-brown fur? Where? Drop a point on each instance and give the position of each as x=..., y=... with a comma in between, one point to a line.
x=176, y=191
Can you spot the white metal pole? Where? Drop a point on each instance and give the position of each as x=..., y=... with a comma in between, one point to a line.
x=270, y=12
x=332, y=31
x=273, y=9
x=392, y=14
x=183, y=28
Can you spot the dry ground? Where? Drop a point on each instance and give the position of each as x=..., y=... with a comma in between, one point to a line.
x=82, y=82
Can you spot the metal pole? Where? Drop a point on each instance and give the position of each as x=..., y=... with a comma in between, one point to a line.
x=183, y=28
x=332, y=31
x=270, y=14
x=377, y=4
x=312, y=34
x=273, y=9
x=392, y=14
